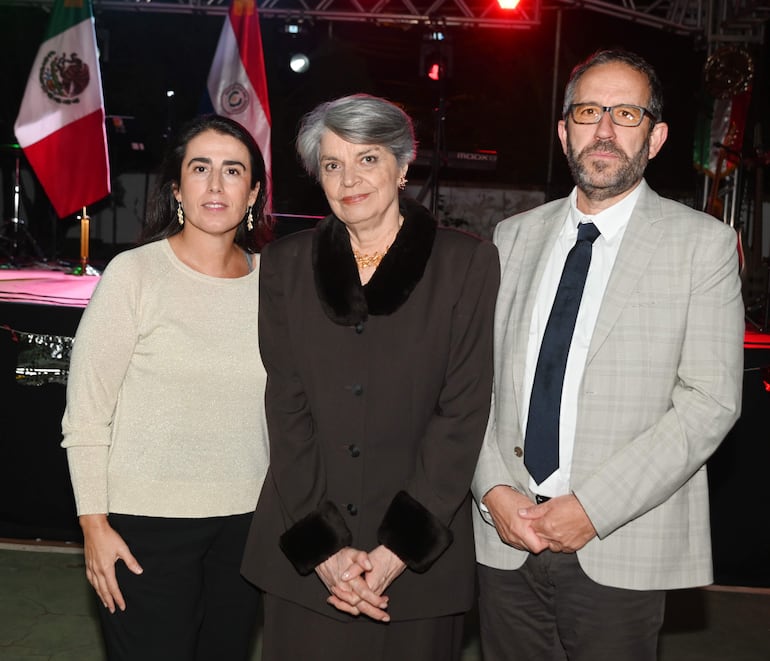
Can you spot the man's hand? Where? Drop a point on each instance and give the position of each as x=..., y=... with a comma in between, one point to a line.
x=504, y=505
x=561, y=522
x=102, y=548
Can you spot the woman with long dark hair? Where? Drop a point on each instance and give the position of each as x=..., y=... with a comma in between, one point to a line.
x=164, y=425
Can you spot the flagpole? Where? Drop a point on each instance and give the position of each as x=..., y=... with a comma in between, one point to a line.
x=85, y=222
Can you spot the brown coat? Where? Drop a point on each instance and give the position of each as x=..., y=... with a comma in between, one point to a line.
x=377, y=400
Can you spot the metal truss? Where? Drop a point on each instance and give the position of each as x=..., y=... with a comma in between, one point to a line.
x=715, y=21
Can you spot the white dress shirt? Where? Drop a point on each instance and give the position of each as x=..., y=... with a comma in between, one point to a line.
x=612, y=223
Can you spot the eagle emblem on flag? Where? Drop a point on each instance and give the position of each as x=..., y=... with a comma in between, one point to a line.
x=63, y=78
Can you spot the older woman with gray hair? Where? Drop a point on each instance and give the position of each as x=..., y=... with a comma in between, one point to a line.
x=376, y=333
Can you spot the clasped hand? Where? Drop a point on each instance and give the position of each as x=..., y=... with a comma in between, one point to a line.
x=559, y=524
x=357, y=579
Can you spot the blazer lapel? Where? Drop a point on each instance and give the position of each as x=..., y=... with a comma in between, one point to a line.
x=641, y=240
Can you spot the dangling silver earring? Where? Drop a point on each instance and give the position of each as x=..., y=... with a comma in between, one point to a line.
x=180, y=213
x=249, y=220
x=402, y=183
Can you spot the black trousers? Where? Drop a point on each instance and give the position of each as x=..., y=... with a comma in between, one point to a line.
x=190, y=603
x=549, y=610
x=294, y=633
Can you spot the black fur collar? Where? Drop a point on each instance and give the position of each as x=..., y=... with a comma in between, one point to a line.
x=339, y=288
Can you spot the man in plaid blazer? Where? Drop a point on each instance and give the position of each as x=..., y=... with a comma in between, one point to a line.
x=576, y=565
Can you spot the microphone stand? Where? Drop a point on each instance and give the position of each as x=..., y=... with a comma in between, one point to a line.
x=19, y=232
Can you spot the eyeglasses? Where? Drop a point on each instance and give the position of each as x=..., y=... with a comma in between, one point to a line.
x=622, y=115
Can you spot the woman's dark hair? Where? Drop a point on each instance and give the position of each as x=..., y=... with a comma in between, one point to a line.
x=161, y=221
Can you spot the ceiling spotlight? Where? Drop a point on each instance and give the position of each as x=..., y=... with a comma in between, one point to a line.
x=294, y=26
x=299, y=63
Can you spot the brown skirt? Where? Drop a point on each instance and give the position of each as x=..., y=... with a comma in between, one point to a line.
x=292, y=632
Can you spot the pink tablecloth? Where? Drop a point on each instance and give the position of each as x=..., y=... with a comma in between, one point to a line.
x=46, y=287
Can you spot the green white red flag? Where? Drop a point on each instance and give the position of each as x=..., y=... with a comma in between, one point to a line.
x=719, y=131
x=60, y=125
x=237, y=85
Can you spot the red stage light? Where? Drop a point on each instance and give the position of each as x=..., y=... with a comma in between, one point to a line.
x=436, y=56
x=508, y=4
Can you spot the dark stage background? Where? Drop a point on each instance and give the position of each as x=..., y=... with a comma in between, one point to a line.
x=498, y=96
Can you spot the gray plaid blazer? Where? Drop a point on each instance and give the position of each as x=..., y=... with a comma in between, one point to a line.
x=661, y=389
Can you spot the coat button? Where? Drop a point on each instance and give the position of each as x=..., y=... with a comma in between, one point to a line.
x=357, y=389
x=518, y=451
x=354, y=450
x=359, y=327
x=352, y=509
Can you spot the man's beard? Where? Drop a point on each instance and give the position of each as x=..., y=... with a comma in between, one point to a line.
x=601, y=180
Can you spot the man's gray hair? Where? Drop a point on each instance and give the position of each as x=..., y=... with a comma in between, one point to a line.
x=655, y=103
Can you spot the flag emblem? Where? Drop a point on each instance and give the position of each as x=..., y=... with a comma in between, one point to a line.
x=235, y=99
x=64, y=78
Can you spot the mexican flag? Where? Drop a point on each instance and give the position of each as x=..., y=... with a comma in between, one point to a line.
x=237, y=85
x=60, y=125
x=719, y=130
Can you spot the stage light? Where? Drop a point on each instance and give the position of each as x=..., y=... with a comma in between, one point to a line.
x=169, y=93
x=297, y=31
x=508, y=4
x=436, y=56
x=299, y=63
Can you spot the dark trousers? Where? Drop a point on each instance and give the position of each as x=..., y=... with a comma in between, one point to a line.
x=549, y=610
x=294, y=633
x=190, y=603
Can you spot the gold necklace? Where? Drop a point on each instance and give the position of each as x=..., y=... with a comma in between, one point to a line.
x=366, y=261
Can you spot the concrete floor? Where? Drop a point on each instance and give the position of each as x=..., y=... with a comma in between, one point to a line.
x=47, y=612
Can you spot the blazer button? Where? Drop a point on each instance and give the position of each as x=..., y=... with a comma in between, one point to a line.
x=359, y=327
x=518, y=451
x=354, y=450
x=352, y=509
x=357, y=389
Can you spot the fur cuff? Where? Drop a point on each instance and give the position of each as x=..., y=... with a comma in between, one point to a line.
x=413, y=533
x=315, y=538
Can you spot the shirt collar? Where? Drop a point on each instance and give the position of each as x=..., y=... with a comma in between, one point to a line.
x=611, y=222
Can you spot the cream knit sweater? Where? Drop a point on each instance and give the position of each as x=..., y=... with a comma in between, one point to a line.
x=165, y=397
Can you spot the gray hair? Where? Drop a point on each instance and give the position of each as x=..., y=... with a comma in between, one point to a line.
x=361, y=119
x=654, y=105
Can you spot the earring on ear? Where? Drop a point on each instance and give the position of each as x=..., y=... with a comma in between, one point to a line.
x=180, y=213
x=402, y=182
x=250, y=220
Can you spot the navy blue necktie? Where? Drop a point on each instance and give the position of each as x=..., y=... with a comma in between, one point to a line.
x=541, y=444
